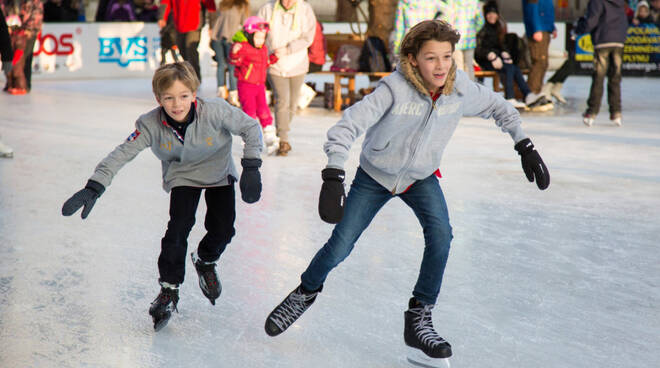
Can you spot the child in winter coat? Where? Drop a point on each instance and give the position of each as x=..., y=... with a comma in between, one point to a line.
x=642, y=14
x=193, y=138
x=408, y=119
x=250, y=56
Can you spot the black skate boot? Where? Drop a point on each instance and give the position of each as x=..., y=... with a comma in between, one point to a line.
x=419, y=335
x=208, y=278
x=291, y=308
x=165, y=303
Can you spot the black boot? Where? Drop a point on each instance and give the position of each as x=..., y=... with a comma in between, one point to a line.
x=291, y=308
x=162, y=307
x=208, y=278
x=419, y=333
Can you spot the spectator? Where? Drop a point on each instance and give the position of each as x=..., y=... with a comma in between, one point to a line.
x=146, y=10
x=188, y=22
x=466, y=17
x=642, y=14
x=317, y=50
x=231, y=16
x=116, y=11
x=61, y=11
x=492, y=53
x=6, y=55
x=168, y=42
x=606, y=22
x=554, y=85
x=408, y=14
x=655, y=11
x=539, y=19
x=292, y=25
x=24, y=19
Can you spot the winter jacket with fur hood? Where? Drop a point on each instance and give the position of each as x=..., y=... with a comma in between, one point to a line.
x=293, y=30
x=406, y=131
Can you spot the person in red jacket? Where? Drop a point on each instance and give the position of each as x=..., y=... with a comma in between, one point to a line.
x=250, y=56
x=188, y=20
x=317, y=50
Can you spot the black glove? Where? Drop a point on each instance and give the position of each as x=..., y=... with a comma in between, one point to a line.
x=250, y=182
x=532, y=163
x=85, y=197
x=332, y=197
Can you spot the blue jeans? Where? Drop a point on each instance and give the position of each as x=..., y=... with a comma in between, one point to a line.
x=510, y=73
x=222, y=49
x=364, y=200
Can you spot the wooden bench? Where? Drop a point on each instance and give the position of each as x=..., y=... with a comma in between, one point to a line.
x=349, y=84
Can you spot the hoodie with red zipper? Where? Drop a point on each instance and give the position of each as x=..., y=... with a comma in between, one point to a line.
x=251, y=63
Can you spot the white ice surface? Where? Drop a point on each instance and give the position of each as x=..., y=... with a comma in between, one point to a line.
x=567, y=277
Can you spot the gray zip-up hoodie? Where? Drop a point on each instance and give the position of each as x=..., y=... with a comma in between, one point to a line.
x=406, y=132
x=204, y=158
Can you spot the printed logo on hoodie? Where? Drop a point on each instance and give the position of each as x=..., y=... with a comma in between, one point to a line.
x=448, y=109
x=408, y=108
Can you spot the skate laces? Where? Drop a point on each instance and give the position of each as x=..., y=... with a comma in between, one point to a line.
x=292, y=308
x=207, y=270
x=166, y=296
x=424, y=326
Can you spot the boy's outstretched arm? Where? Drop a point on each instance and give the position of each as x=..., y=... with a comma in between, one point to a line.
x=106, y=170
x=486, y=104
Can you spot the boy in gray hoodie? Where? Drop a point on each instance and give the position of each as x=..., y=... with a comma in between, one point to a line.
x=408, y=121
x=192, y=137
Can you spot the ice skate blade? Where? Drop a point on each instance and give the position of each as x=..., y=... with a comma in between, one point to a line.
x=159, y=324
x=417, y=358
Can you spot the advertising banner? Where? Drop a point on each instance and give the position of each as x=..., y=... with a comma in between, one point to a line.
x=641, y=52
x=104, y=50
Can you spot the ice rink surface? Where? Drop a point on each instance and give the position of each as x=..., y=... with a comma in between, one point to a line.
x=567, y=277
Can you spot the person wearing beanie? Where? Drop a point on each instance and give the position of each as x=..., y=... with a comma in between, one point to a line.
x=492, y=53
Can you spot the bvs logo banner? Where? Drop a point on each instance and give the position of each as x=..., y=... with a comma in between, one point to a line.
x=123, y=50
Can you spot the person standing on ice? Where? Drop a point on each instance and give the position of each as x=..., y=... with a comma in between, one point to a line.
x=408, y=120
x=193, y=138
x=250, y=56
x=292, y=27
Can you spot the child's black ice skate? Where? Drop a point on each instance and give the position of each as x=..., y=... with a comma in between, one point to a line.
x=291, y=308
x=162, y=307
x=426, y=347
x=208, y=278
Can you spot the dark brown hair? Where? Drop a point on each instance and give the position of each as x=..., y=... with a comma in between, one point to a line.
x=167, y=74
x=243, y=5
x=427, y=30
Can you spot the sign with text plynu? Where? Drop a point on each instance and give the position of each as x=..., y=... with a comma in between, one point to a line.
x=641, y=52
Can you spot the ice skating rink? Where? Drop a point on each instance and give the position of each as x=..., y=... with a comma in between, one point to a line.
x=567, y=277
